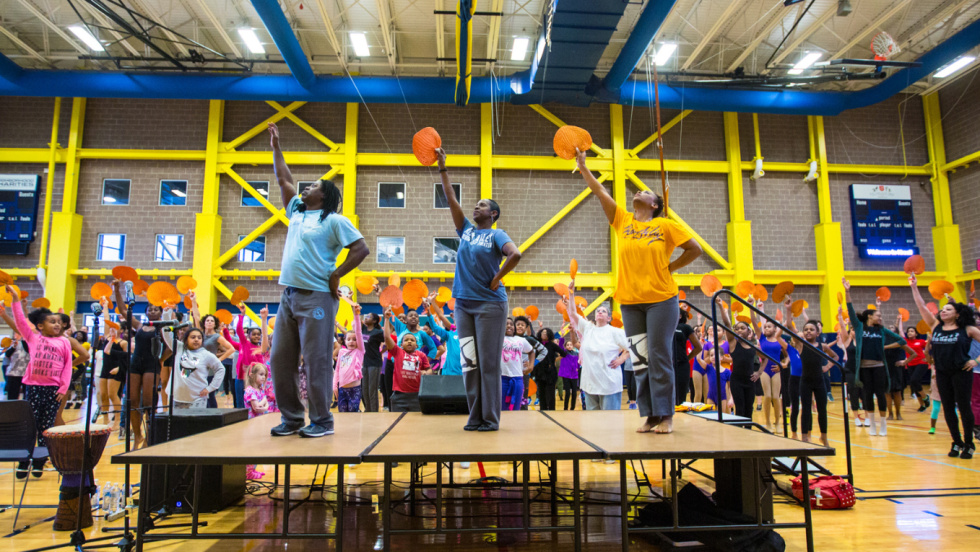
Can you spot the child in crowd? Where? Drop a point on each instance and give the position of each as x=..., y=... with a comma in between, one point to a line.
x=260, y=400
x=409, y=365
x=350, y=360
x=937, y=403
x=256, y=348
x=513, y=368
x=568, y=371
x=191, y=387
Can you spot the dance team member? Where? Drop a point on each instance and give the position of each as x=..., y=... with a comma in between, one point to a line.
x=648, y=293
x=568, y=371
x=513, y=367
x=48, y=372
x=522, y=328
x=871, y=339
x=481, y=302
x=410, y=365
x=308, y=306
x=374, y=338
x=744, y=357
x=443, y=329
x=896, y=360
x=545, y=374
x=845, y=340
x=197, y=370
x=812, y=382
x=916, y=365
x=791, y=387
x=252, y=347
x=772, y=343
x=604, y=348
x=936, y=400
x=112, y=374
x=952, y=335
x=684, y=335
x=347, y=382
x=214, y=341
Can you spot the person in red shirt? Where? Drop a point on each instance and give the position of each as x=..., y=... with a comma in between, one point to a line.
x=917, y=366
x=410, y=365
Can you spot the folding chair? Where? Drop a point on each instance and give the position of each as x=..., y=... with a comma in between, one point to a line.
x=18, y=437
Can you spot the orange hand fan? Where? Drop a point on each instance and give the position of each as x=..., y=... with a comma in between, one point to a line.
x=125, y=274
x=915, y=265
x=395, y=280
x=140, y=287
x=939, y=288
x=185, y=284
x=573, y=268
x=872, y=307
x=737, y=307
x=111, y=324
x=760, y=293
x=187, y=302
x=222, y=315
x=744, y=319
x=883, y=293
x=904, y=313
x=840, y=298
x=569, y=138
x=781, y=291
x=424, y=145
x=561, y=289
x=744, y=288
x=6, y=279
x=932, y=308
x=101, y=290
x=365, y=284
x=797, y=307
x=532, y=312
x=922, y=327
x=451, y=303
x=517, y=312
x=162, y=294
x=390, y=297
x=239, y=296
x=616, y=323
x=581, y=301
x=710, y=285
x=560, y=307
x=681, y=295
x=41, y=303
x=444, y=294
x=414, y=292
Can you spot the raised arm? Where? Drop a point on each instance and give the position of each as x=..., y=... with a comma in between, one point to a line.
x=264, y=344
x=608, y=203
x=195, y=311
x=459, y=218
x=285, y=178
x=357, y=327
x=389, y=342
x=927, y=316
x=14, y=324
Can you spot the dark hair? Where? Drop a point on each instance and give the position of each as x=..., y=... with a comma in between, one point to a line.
x=65, y=320
x=964, y=315
x=494, y=207
x=39, y=315
x=192, y=330
x=548, y=333
x=525, y=320
x=81, y=336
x=683, y=317
x=375, y=319
x=217, y=323
x=250, y=330
x=331, y=199
x=811, y=323
x=659, y=211
x=863, y=315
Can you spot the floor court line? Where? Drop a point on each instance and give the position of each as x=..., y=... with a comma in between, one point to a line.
x=853, y=444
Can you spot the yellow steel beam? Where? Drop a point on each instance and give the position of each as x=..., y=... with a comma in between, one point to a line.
x=154, y=273
x=66, y=240
x=303, y=125
x=409, y=160
x=49, y=186
x=542, y=163
x=798, y=277
x=878, y=278
x=223, y=289
x=207, y=224
x=292, y=157
x=559, y=123
x=72, y=163
x=350, y=163
x=653, y=138
x=968, y=277
x=486, y=151
x=28, y=155
x=602, y=298
x=558, y=216
x=619, y=180
x=945, y=234
x=259, y=197
x=334, y=171
x=251, y=237
x=738, y=230
x=142, y=155
x=241, y=274
x=677, y=165
x=260, y=128
x=961, y=162
x=827, y=234
x=875, y=169
x=693, y=280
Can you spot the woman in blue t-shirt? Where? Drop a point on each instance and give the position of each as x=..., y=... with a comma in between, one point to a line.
x=481, y=302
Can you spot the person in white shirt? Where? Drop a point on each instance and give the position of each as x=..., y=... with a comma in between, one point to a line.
x=513, y=368
x=604, y=348
x=191, y=372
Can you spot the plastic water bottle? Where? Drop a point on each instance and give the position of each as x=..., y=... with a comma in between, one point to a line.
x=114, y=499
x=98, y=495
x=106, y=502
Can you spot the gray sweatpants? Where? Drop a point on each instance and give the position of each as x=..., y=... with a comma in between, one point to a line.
x=650, y=328
x=481, y=326
x=370, y=384
x=304, y=325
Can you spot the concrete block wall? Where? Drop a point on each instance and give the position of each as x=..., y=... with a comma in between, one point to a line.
x=961, y=121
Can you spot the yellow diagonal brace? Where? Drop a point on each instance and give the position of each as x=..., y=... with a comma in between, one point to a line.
x=262, y=229
x=559, y=123
x=259, y=128
x=302, y=124
x=606, y=294
x=558, y=216
x=218, y=285
x=670, y=124
x=332, y=173
x=251, y=191
x=722, y=262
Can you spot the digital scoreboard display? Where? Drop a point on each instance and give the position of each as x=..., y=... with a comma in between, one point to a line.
x=881, y=217
x=18, y=212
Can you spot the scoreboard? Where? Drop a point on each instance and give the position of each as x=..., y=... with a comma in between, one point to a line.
x=18, y=212
x=881, y=217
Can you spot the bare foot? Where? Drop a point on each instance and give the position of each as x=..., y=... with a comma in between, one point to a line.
x=794, y=437
x=899, y=417
x=823, y=439
x=806, y=437
x=649, y=424
x=138, y=442
x=666, y=425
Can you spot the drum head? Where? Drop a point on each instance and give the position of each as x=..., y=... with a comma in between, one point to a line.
x=76, y=429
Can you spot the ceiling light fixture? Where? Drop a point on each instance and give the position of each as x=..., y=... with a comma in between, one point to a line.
x=954, y=66
x=805, y=63
x=251, y=41
x=359, y=41
x=86, y=37
x=519, y=49
x=663, y=53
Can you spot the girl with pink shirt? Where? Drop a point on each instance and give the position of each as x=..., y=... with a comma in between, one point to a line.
x=49, y=370
x=260, y=399
x=252, y=347
x=350, y=360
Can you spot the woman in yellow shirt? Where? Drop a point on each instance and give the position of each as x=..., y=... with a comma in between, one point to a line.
x=648, y=294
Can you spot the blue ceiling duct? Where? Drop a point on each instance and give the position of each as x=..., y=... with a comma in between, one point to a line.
x=282, y=34
x=9, y=70
x=641, y=36
x=798, y=102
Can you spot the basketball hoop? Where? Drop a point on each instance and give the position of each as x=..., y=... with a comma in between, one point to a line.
x=884, y=46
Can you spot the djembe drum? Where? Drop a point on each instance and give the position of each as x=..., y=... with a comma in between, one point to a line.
x=66, y=446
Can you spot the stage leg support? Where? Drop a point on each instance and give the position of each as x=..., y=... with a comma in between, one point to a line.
x=339, y=531
x=576, y=505
x=624, y=507
x=807, y=514
x=386, y=510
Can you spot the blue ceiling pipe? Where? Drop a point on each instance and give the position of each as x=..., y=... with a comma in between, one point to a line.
x=642, y=35
x=9, y=70
x=798, y=102
x=282, y=34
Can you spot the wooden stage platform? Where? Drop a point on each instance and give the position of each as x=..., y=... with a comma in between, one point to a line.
x=524, y=437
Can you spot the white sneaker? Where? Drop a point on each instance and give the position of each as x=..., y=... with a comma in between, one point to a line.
x=596, y=460
x=464, y=465
x=867, y=422
x=884, y=428
x=871, y=429
x=858, y=422
x=610, y=461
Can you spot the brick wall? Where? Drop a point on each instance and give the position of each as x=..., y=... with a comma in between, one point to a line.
x=398, y=123
x=782, y=138
x=145, y=124
x=328, y=119
x=961, y=113
x=699, y=136
x=963, y=186
x=26, y=122
x=872, y=135
x=783, y=210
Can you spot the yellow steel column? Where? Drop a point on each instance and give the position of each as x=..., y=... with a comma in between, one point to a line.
x=66, y=239
x=945, y=234
x=49, y=188
x=618, y=188
x=486, y=150
x=739, y=229
x=207, y=229
x=830, y=251
x=349, y=207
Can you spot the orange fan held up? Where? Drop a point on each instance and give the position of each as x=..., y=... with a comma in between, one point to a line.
x=424, y=145
x=569, y=138
x=915, y=265
x=710, y=285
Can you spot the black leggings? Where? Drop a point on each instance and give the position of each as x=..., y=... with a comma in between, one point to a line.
x=743, y=396
x=809, y=392
x=389, y=382
x=570, y=386
x=13, y=387
x=916, y=374
x=794, y=400
x=875, y=380
x=629, y=380
x=854, y=395
x=546, y=395
x=228, y=384
x=682, y=381
x=955, y=388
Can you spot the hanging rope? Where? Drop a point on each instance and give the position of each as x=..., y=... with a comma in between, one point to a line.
x=660, y=139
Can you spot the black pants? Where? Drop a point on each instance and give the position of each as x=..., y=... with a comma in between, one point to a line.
x=916, y=374
x=854, y=395
x=875, y=382
x=546, y=395
x=389, y=383
x=571, y=391
x=14, y=387
x=44, y=403
x=682, y=382
x=794, y=401
x=955, y=389
x=212, y=400
x=811, y=391
x=228, y=384
x=629, y=380
x=743, y=395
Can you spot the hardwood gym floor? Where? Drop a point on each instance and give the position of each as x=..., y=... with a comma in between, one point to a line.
x=911, y=496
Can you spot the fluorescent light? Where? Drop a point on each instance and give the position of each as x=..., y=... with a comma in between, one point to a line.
x=519, y=50
x=804, y=63
x=359, y=41
x=663, y=53
x=955, y=66
x=178, y=193
x=86, y=37
x=263, y=192
x=108, y=199
x=399, y=195
x=251, y=40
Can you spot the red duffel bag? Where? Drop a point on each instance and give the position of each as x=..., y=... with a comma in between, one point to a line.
x=827, y=492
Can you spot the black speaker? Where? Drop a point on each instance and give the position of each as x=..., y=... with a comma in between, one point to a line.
x=221, y=486
x=443, y=395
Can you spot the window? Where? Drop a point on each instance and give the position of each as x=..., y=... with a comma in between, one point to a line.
x=391, y=250
x=439, y=201
x=115, y=192
x=173, y=192
x=112, y=247
x=444, y=250
x=253, y=252
x=304, y=185
x=391, y=195
x=169, y=248
x=262, y=188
